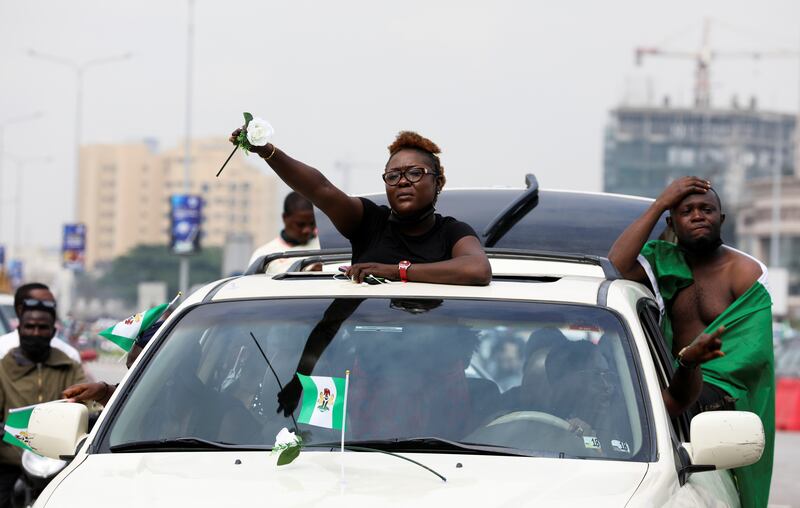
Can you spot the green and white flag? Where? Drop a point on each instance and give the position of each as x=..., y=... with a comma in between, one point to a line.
x=16, y=427
x=323, y=401
x=125, y=332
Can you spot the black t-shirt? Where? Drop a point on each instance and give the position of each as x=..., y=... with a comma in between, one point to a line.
x=377, y=240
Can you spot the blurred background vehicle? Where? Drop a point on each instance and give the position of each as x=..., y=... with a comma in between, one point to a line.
x=8, y=318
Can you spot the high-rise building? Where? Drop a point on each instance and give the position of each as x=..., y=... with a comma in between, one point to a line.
x=755, y=224
x=648, y=147
x=124, y=189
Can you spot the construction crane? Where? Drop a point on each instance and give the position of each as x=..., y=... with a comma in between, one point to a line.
x=703, y=58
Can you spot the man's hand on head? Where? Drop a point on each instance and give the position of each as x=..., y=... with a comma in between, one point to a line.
x=680, y=188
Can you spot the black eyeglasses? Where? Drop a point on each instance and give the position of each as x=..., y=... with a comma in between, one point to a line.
x=413, y=174
x=33, y=302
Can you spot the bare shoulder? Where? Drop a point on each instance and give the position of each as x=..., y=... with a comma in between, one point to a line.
x=744, y=271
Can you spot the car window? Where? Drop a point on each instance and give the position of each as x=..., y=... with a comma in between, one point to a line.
x=649, y=317
x=8, y=318
x=545, y=379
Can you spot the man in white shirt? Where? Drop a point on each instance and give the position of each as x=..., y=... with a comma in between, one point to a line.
x=299, y=233
x=36, y=294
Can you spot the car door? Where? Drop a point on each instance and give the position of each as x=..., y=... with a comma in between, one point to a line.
x=710, y=488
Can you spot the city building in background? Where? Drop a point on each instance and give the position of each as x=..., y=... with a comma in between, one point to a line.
x=648, y=147
x=124, y=196
x=754, y=226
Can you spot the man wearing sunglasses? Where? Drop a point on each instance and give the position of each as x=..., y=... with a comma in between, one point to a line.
x=32, y=373
x=35, y=294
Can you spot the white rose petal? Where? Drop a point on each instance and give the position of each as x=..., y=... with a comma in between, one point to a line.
x=259, y=132
x=285, y=437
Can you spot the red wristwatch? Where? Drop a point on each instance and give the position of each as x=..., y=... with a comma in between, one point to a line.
x=403, y=267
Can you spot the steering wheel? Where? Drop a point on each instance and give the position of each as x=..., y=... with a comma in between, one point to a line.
x=531, y=416
x=532, y=430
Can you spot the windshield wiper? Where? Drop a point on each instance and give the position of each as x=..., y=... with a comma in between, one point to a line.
x=181, y=443
x=431, y=444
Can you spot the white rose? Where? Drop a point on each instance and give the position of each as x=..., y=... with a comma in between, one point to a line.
x=286, y=438
x=259, y=132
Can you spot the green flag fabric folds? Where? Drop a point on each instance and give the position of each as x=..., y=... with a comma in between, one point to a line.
x=125, y=332
x=323, y=401
x=747, y=371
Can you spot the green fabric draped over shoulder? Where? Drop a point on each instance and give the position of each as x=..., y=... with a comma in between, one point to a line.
x=746, y=372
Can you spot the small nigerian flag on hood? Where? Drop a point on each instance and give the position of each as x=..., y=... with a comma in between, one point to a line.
x=323, y=401
x=125, y=332
x=16, y=427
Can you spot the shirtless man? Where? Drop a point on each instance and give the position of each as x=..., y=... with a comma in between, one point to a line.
x=720, y=274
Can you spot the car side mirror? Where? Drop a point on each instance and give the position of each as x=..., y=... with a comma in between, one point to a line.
x=56, y=429
x=724, y=440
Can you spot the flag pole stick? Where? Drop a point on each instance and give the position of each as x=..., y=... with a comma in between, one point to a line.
x=344, y=425
x=169, y=306
x=344, y=409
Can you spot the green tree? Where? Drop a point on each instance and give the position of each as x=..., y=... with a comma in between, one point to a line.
x=148, y=263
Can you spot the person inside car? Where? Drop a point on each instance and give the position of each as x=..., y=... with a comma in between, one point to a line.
x=533, y=393
x=582, y=387
x=406, y=240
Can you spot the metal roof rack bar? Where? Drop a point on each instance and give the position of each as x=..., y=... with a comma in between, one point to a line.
x=309, y=257
x=325, y=257
x=609, y=270
x=260, y=264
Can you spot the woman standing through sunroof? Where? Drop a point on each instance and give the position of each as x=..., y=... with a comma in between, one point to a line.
x=406, y=240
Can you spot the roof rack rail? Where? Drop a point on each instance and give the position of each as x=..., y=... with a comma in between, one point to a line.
x=260, y=264
x=309, y=257
x=609, y=270
x=513, y=213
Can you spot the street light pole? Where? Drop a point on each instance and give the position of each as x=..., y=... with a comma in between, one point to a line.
x=18, y=202
x=183, y=263
x=3, y=125
x=79, y=68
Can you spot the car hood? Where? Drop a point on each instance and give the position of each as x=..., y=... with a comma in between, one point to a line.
x=321, y=478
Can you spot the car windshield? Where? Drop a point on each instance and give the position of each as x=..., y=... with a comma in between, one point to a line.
x=539, y=379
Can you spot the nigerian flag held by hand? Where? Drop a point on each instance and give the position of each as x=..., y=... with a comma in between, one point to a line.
x=323, y=401
x=125, y=333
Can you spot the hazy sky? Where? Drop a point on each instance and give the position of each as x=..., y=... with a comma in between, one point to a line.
x=504, y=87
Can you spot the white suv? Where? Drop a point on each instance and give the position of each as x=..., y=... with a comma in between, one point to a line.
x=541, y=389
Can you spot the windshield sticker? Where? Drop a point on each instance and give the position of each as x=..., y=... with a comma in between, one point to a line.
x=620, y=446
x=389, y=329
x=591, y=442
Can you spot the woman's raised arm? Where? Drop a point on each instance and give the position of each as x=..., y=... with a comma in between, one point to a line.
x=344, y=211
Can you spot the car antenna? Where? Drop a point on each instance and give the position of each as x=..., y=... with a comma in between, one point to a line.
x=269, y=364
x=513, y=213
